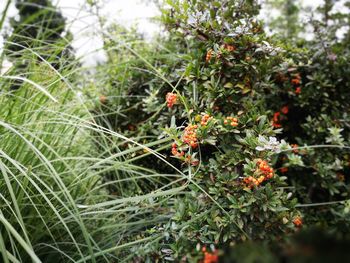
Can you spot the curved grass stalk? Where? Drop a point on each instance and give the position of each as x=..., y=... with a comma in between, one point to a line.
x=37, y=86
x=20, y=240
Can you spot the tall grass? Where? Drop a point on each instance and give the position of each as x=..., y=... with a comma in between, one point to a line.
x=54, y=203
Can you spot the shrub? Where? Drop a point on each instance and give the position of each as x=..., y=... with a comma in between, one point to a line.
x=230, y=104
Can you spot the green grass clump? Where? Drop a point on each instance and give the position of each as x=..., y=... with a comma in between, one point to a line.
x=54, y=206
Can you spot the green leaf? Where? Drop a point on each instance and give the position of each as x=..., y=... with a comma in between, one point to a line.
x=228, y=85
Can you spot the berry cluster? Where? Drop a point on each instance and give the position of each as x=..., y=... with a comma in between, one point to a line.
x=205, y=119
x=265, y=169
x=210, y=257
x=175, y=151
x=276, y=120
x=250, y=181
x=297, y=221
x=296, y=80
x=231, y=121
x=171, y=99
x=209, y=55
x=229, y=48
x=219, y=54
x=190, y=136
x=277, y=117
x=187, y=158
x=265, y=172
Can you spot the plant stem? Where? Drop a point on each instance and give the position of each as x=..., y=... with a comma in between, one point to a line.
x=4, y=13
x=321, y=204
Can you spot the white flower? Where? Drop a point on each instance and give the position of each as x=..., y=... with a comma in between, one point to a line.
x=270, y=145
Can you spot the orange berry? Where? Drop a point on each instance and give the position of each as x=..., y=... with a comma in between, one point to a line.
x=211, y=257
x=284, y=169
x=174, y=151
x=190, y=136
x=209, y=55
x=297, y=221
x=285, y=110
x=276, y=116
x=103, y=99
x=296, y=81
x=261, y=179
x=171, y=99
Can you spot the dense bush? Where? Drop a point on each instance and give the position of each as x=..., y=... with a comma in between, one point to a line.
x=258, y=127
